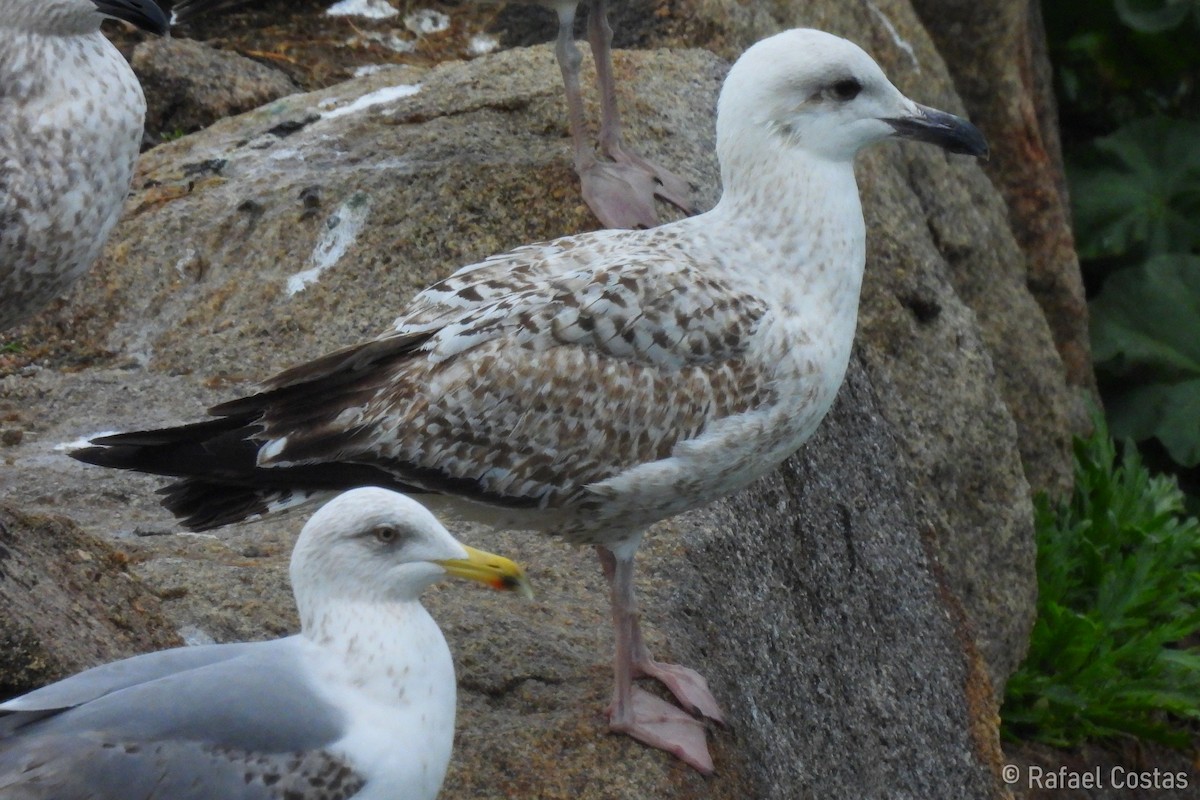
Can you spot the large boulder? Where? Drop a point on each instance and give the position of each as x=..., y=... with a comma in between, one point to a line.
x=858, y=609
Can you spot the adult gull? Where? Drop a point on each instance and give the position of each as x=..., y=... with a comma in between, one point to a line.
x=359, y=704
x=71, y=114
x=593, y=385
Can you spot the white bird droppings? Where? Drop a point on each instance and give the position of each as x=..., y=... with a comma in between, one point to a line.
x=481, y=44
x=341, y=230
x=371, y=9
x=900, y=41
x=378, y=97
x=425, y=21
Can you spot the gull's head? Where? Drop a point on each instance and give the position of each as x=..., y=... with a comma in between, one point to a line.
x=376, y=545
x=813, y=91
x=75, y=17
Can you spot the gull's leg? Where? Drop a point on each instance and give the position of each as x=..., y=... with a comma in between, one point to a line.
x=569, y=60
x=633, y=711
x=647, y=177
x=610, y=196
x=689, y=687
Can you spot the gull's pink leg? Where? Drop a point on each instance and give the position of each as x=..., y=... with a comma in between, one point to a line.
x=610, y=196
x=635, y=712
x=636, y=170
x=569, y=60
x=689, y=687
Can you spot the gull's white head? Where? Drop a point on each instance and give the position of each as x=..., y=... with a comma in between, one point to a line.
x=377, y=545
x=812, y=91
x=74, y=17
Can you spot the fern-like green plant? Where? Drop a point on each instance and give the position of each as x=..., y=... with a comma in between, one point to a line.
x=1112, y=651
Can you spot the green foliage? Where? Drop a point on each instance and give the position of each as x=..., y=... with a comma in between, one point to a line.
x=1146, y=339
x=1121, y=60
x=1128, y=73
x=1118, y=607
x=1137, y=192
x=1155, y=16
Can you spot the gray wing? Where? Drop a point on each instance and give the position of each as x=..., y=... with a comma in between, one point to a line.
x=236, y=722
x=91, y=766
x=99, y=681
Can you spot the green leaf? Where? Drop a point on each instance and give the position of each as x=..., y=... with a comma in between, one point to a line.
x=1169, y=412
x=1138, y=190
x=1154, y=16
x=1146, y=325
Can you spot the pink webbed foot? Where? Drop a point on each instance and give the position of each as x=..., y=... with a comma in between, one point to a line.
x=659, y=724
x=667, y=185
x=689, y=687
x=621, y=193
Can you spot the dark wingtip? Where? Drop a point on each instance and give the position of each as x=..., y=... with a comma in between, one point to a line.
x=145, y=14
x=90, y=455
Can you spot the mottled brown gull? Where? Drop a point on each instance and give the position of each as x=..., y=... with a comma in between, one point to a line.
x=71, y=113
x=359, y=704
x=593, y=385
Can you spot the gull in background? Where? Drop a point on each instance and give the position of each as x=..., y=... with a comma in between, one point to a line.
x=71, y=115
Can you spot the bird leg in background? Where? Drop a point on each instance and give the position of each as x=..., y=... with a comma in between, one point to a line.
x=648, y=178
x=621, y=195
x=636, y=712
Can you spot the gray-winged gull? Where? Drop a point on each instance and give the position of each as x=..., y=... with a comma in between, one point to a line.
x=595, y=384
x=71, y=113
x=359, y=704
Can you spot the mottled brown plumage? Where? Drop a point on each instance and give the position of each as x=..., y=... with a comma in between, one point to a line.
x=71, y=113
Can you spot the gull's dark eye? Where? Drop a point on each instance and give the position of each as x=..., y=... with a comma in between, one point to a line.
x=846, y=89
x=385, y=534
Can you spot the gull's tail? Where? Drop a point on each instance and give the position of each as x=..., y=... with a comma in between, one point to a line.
x=223, y=479
x=220, y=480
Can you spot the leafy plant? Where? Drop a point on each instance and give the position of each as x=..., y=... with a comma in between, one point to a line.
x=1155, y=16
x=1115, y=62
x=1118, y=607
x=1146, y=336
x=1137, y=192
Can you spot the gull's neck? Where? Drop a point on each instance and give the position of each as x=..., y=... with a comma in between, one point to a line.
x=390, y=667
x=795, y=222
x=48, y=19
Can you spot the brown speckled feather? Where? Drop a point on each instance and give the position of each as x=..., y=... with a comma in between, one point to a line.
x=514, y=389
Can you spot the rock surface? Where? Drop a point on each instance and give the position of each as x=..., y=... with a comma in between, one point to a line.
x=68, y=601
x=190, y=85
x=857, y=610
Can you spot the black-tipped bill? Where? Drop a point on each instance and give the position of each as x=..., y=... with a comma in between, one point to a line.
x=142, y=13
x=945, y=130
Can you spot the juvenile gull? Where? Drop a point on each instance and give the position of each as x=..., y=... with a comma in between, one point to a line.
x=71, y=113
x=596, y=384
x=359, y=704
